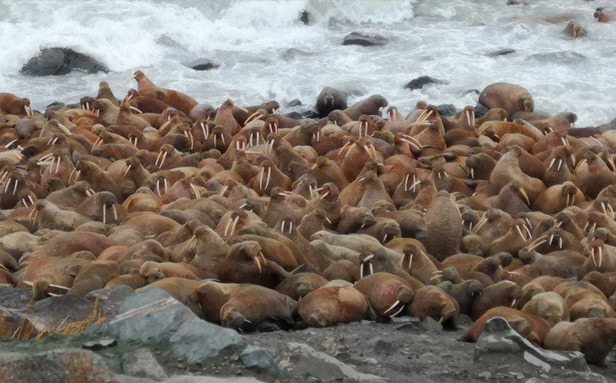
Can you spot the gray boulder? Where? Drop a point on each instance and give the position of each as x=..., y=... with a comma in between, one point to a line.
x=141, y=363
x=155, y=316
x=203, y=64
x=59, y=61
x=421, y=81
x=356, y=38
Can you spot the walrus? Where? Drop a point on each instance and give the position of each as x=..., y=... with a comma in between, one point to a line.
x=464, y=293
x=594, y=337
x=245, y=307
x=387, y=294
x=604, y=17
x=575, y=30
x=549, y=306
x=172, y=97
x=329, y=100
x=330, y=305
x=503, y=293
x=11, y=104
x=154, y=271
x=444, y=226
x=369, y=106
x=297, y=286
x=529, y=326
x=511, y=97
x=434, y=302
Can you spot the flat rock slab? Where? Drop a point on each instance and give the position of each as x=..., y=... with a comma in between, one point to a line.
x=209, y=379
x=304, y=361
x=155, y=316
x=58, y=61
x=141, y=363
x=59, y=366
x=365, y=40
x=110, y=300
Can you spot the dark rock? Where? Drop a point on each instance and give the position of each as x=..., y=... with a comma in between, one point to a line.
x=110, y=300
x=294, y=115
x=293, y=103
x=501, y=52
x=154, y=316
x=500, y=344
x=304, y=17
x=304, y=362
x=259, y=359
x=59, y=61
x=58, y=366
x=412, y=324
x=563, y=57
x=422, y=81
x=95, y=345
x=203, y=64
x=292, y=53
x=141, y=363
x=356, y=38
x=464, y=320
x=447, y=110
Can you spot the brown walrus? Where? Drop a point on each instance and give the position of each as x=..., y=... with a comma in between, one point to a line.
x=330, y=305
x=511, y=97
x=594, y=337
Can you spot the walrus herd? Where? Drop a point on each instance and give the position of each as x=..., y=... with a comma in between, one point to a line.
x=258, y=221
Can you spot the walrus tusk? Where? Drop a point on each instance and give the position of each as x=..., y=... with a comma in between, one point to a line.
x=520, y=232
x=227, y=226
x=58, y=165
x=391, y=307
x=261, y=173
x=258, y=263
x=206, y=133
x=195, y=190
x=282, y=226
x=254, y=116
x=64, y=129
x=10, y=143
x=269, y=174
x=514, y=302
x=15, y=187
x=411, y=260
x=104, y=214
x=158, y=188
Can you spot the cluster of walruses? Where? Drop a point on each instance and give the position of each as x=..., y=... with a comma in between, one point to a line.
x=258, y=221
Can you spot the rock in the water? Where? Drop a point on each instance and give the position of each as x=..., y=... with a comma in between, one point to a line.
x=304, y=17
x=303, y=361
x=110, y=300
x=563, y=57
x=356, y=38
x=58, y=366
x=59, y=61
x=422, y=81
x=141, y=363
x=499, y=343
x=294, y=102
x=447, y=110
x=501, y=52
x=260, y=359
x=203, y=64
x=155, y=316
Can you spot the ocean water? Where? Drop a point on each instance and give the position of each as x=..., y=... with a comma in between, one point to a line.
x=266, y=53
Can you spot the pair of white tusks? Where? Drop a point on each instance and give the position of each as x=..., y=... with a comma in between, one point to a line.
x=594, y=257
x=165, y=185
x=267, y=181
x=8, y=184
x=392, y=307
x=282, y=227
x=158, y=158
x=115, y=213
x=231, y=224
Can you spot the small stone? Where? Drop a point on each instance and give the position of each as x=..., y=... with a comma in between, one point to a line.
x=485, y=375
x=294, y=102
x=447, y=110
